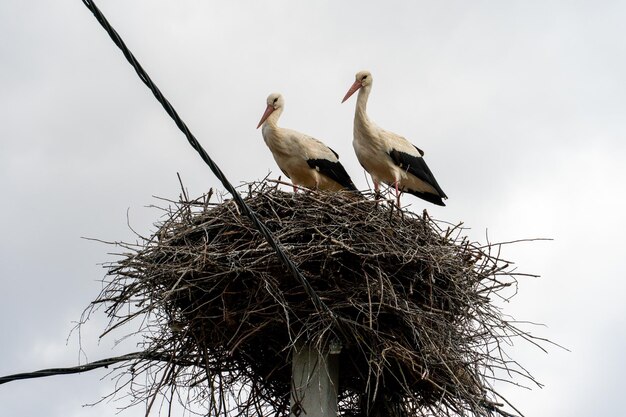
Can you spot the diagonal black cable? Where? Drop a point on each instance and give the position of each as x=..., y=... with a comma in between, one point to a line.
x=319, y=304
x=103, y=363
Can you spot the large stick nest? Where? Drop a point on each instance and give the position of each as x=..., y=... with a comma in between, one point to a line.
x=407, y=302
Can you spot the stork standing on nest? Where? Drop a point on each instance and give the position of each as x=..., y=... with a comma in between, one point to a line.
x=304, y=160
x=388, y=157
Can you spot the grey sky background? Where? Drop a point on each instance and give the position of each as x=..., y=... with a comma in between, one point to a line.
x=519, y=106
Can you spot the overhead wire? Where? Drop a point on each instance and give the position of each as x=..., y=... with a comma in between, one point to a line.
x=258, y=224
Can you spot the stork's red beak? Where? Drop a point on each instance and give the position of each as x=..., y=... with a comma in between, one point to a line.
x=357, y=84
x=267, y=113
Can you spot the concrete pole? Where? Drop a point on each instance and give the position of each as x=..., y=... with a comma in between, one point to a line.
x=314, y=382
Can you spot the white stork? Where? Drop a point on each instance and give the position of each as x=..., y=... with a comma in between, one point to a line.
x=388, y=157
x=303, y=159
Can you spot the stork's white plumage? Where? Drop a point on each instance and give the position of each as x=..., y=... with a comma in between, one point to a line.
x=302, y=158
x=388, y=157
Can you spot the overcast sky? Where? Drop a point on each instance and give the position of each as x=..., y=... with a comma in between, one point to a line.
x=519, y=106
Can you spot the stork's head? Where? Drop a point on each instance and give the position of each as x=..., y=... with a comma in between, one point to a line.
x=275, y=101
x=362, y=79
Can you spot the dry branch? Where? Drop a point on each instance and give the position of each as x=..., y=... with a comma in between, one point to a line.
x=410, y=303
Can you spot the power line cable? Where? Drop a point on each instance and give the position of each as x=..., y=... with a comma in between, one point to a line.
x=103, y=363
x=319, y=304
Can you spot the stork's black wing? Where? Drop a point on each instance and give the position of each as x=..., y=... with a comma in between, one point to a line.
x=417, y=166
x=334, y=171
x=285, y=172
x=334, y=153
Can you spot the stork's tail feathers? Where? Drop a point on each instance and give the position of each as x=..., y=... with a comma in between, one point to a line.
x=431, y=198
x=352, y=188
x=355, y=192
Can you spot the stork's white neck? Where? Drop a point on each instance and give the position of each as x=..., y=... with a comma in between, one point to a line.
x=360, y=113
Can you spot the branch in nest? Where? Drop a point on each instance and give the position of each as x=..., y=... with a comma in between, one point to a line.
x=409, y=296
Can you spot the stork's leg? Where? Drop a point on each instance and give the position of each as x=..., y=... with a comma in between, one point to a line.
x=397, y=193
x=376, y=189
x=295, y=189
